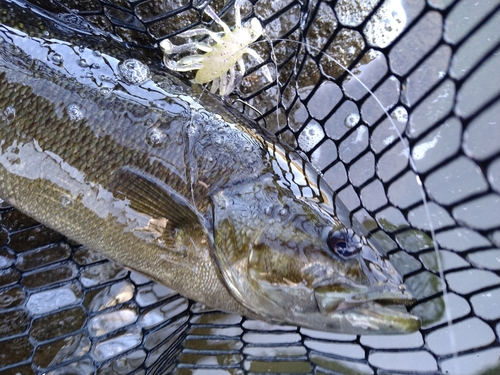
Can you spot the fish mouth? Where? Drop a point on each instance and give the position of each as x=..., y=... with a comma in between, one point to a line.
x=365, y=310
x=340, y=297
x=376, y=305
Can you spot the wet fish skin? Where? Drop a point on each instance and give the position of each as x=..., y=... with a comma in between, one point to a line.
x=207, y=204
x=55, y=169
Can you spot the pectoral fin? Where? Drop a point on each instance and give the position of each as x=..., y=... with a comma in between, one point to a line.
x=168, y=209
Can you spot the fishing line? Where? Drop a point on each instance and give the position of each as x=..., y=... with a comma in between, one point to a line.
x=403, y=141
x=408, y=154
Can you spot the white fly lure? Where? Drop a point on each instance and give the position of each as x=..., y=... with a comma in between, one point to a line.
x=222, y=52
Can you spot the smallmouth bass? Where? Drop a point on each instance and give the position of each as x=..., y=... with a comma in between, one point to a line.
x=191, y=194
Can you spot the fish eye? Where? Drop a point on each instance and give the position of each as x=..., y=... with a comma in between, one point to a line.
x=340, y=243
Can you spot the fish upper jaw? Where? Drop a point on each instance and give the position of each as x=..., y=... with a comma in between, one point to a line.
x=372, y=318
x=346, y=296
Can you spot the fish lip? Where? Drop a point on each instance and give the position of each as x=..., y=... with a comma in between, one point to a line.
x=346, y=296
x=379, y=309
x=375, y=318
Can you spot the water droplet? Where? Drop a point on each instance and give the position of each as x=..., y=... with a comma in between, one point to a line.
x=105, y=90
x=351, y=51
x=396, y=17
x=66, y=201
x=83, y=63
x=283, y=211
x=97, y=53
x=81, y=49
x=191, y=129
x=9, y=114
x=134, y=72
x=351, y=120
x=268, y=210
x=57, y=58
x=400, y=114
x=75, y=112
x=155, y=137
x=45, y=34
x=311, y=135
x=94, y=66
x=387, y=25
x=104, y=78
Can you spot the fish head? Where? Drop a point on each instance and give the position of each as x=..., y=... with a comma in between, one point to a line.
x=288, y=260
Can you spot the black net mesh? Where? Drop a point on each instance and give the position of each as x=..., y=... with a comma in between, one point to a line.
x=433, y=67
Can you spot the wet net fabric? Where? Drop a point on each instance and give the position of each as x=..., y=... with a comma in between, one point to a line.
x=434, y=68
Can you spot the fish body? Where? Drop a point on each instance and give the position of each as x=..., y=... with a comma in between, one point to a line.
x=190, y=193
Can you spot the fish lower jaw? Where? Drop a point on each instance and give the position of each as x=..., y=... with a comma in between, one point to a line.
x=369, y=318
x=330, y=298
